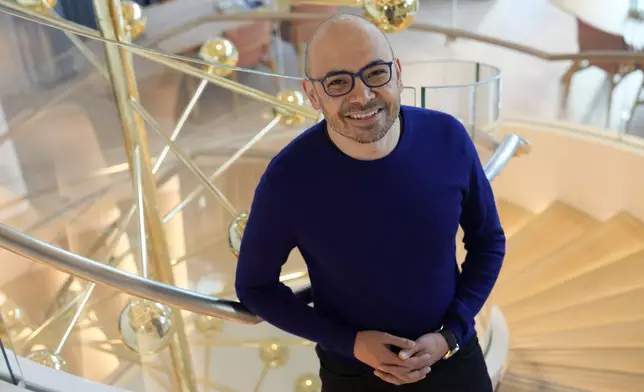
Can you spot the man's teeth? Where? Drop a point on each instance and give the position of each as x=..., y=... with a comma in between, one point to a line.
x=363, y=115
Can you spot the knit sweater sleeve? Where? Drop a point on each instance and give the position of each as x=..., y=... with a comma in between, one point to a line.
x=268, y=239
x=484, y=241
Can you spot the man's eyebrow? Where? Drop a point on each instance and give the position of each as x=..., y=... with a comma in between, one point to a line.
x=341, y=71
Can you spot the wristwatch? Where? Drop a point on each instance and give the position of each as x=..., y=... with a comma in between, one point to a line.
x=452, y=342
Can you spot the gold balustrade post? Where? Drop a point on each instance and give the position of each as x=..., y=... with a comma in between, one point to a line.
x=119, y=61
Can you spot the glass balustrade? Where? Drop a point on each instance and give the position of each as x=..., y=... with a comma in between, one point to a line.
x=468, y=90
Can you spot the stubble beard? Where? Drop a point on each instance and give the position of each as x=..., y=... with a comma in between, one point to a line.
x=366, y=135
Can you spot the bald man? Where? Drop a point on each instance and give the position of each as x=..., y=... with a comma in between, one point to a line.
x=372, y=196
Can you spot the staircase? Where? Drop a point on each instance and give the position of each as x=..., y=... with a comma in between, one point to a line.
x=573, y=301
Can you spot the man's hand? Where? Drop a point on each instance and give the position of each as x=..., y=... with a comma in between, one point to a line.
x=432, y=344
x=372, y=348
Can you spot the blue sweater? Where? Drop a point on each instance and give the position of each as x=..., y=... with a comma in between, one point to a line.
x=378, y=236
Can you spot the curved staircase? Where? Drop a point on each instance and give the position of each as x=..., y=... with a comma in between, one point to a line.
x=573, y=300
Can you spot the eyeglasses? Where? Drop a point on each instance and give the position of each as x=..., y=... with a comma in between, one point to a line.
x=337, y=84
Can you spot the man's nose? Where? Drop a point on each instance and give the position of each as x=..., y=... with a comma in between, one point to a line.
x=361, y=93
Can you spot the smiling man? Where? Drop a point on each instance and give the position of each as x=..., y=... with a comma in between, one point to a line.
x=373, y=196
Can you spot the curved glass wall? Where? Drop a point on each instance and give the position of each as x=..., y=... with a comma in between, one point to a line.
x=468, y=90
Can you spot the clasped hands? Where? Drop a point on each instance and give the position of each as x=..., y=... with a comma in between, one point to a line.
x=410, y=365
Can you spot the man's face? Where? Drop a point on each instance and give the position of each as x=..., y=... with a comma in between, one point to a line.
x=364, y=114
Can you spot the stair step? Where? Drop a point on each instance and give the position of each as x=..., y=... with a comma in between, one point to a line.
x=510, y=386
x=515, y=383
x=614, y=239
x=588, y=380
x=547, y=232
x=513, y=218
x=608, y=281
x=619, y=308
x=607, y=335
x=625, y=360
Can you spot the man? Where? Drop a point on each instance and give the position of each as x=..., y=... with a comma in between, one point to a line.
x=372, y=197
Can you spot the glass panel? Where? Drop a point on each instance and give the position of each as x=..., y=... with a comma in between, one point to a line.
x=468, y=90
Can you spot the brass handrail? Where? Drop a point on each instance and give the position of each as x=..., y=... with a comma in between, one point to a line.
x=93, y=271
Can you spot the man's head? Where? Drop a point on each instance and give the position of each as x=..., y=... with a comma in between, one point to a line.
x=360, y=107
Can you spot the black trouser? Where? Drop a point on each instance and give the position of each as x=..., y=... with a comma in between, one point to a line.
x=464, y=372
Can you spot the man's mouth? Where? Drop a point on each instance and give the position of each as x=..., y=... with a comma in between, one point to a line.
x=363, y=115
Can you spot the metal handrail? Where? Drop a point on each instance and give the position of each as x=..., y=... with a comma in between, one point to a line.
x=93, y=271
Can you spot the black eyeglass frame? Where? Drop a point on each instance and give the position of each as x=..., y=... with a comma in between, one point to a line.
x=359, y=74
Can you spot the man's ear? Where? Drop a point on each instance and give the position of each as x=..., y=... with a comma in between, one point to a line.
x=309, y=90
x=399, y=82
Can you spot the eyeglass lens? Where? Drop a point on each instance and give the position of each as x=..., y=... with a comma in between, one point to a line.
x=374, y=76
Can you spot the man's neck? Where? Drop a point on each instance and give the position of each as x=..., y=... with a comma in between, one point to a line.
x=368, y=151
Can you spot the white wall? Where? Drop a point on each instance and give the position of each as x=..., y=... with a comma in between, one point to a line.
x=597, y=172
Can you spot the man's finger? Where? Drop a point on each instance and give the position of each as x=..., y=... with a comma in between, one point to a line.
x=394, y=370
x=404, y=373
x=398, y=341
x=419, y=360
x=417, y=375
x=410, y=352
x=398, y=375
x=388, y=377
x=387, y=357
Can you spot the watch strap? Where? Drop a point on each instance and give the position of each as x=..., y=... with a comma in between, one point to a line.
x=452, y=342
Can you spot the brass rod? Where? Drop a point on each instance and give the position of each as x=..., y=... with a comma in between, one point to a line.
x=59, y=313
x=119, y=60
x=120, y=226
x=262, y=377
x=164, y=59
x=186, y=161
x=120, y=229
x=98, y=243
x=72, y=323
x=175, y=133
x=182, y=120
x=138, y=193
x=221, y=169
x=84, y=50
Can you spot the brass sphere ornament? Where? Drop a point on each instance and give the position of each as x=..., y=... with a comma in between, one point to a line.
x=209, y=325
x=145, y=326
x=219, y=51
x=134, y=19
x=308, y=383
x=391, y=16
x=48, y=358
x=10, y=313
x=291, y=97
x=236, y=232
x=273, y=354
x=38, y=5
